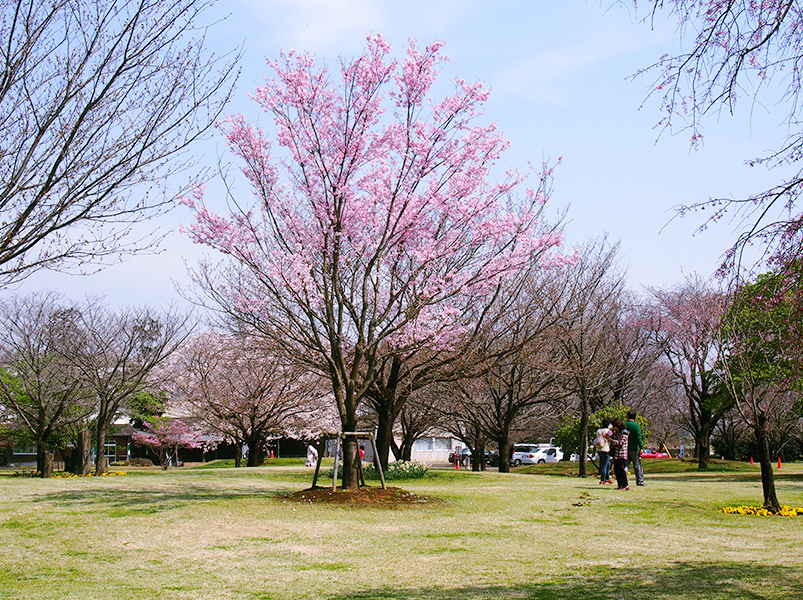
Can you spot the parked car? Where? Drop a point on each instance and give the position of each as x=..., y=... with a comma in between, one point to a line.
x=524, y=454
x=492, y=458
x=650, y=453
x=552, y=454
x=535, y=454
x=591, y=454
x=465, y=456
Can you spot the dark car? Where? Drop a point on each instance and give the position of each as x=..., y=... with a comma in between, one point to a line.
x=491, y=458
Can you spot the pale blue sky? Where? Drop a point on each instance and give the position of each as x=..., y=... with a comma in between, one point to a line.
x=559, y=72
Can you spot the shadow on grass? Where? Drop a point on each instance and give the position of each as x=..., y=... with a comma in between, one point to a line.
x=116, y=502
x=681, y=580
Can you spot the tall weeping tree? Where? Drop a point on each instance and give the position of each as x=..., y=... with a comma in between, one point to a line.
x=99, y=100
x=731, y=52
x=377, y=221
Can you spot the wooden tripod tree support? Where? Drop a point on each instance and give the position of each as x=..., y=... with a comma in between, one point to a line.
x=360, y=435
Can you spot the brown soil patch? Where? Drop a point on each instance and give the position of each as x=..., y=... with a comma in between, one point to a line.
x=391, y=497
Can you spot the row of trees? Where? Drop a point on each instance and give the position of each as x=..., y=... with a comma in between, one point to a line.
x=385, y=253
x=68, y=367
x=385, y=256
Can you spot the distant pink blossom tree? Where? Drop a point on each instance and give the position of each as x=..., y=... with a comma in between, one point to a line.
x=685, y=328
x=378, y=223
x=165, y=437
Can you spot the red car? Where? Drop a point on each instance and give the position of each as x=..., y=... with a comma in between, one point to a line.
x=650, y=453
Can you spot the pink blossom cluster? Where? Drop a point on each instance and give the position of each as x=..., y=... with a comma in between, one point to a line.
x=167, y=434
x=377, y=216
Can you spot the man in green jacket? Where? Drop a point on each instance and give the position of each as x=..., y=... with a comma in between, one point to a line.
x=634, y=446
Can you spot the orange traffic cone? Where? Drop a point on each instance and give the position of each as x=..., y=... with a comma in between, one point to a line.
x=271, y=453
x=457, y=463
x=779, y=463
x=751, y=460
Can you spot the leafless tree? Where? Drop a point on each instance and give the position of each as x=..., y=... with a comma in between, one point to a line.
x=739, y=49
x=520, y=375
x=243, y=387
x=118, y=354
x=603, y=347
x=685, y=329
x=659, y=399
x=99, y=99
x=418, y=418
x=39, y=383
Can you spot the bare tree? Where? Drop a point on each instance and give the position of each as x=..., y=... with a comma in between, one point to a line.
x=685, y=328
x=603, y=348
x=520, y=374
x=39, y=383
x=418, y=418
x=117, y=356
x=99, y=99
x=243, y=387
x=658, y=397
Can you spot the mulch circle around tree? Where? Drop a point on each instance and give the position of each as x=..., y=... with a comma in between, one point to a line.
x=391, y=497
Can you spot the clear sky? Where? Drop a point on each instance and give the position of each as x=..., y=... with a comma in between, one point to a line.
x=560, y=74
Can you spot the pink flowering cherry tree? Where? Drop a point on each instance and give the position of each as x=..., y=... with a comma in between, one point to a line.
x=165, y=437
x=377, y=222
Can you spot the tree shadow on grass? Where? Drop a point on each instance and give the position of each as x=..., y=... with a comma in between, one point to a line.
x=679, y=581
x=116, y=502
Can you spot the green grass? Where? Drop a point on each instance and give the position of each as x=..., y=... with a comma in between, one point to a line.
x=269, y=462
x=651, y=466
x=230, y=534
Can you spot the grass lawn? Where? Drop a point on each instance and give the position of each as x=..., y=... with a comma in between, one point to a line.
x=229, y=533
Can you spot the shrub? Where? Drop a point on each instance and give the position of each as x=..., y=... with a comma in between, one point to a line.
x=139, y=462
x=412, y=469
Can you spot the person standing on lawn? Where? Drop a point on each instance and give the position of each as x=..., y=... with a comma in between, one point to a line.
x=635, y=446
x=603, y=446
x=312, y=456
x=619, y=453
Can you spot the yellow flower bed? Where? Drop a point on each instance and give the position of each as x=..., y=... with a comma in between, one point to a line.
x=786, y=511
x=72, y=476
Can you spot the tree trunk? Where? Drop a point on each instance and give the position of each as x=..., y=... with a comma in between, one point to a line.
x=767, y=475
x=407, y=453
x=504, y=454
x=703, y=443
x=47, y=470
x=238, y=454
x=256, y=450
x=583, y=468
x=83, y=452
x=101, y=466
x=351, y=457
x=256, y=455
x=384, y=433
x=41, y=449
x=478, y=454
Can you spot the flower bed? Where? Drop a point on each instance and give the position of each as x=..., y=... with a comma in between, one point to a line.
x=786, y=511
x=72, y=475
